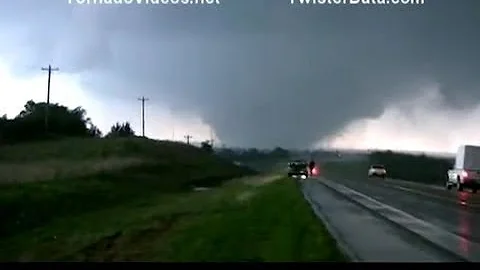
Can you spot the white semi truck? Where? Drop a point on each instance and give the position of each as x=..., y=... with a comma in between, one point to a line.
x=466, y=171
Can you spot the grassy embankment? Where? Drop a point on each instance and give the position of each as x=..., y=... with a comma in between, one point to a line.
x=133, y=199
x=409, y=167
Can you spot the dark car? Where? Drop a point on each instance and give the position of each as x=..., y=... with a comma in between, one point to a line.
x=298, y=168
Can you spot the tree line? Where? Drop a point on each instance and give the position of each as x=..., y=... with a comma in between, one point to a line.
x=416, y=168
x=253, y=154
x=29, y=124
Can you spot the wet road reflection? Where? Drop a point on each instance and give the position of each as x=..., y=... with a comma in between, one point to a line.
x=435, y=192
x=463, y=197
x=464, y=229
x=464, y=221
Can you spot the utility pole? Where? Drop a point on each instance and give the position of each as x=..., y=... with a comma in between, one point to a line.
x=143, y=99
x=49, y=69
x=211, y=137
x=188, y=137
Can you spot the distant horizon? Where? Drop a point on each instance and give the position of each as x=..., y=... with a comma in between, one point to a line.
x=326, y=149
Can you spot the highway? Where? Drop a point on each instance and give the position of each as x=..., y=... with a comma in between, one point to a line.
x=454, y=213
x=363, y=236
x=457, y=212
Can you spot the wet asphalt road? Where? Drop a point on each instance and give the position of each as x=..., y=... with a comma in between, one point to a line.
x=364, y=236
x=431, y=203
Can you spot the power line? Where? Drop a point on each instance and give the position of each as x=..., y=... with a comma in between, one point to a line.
x=49, y=69
x=188, y=137
x=143, y=99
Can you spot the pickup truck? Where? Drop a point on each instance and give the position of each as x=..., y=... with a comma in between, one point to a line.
x=298, y=168
x=466, y=171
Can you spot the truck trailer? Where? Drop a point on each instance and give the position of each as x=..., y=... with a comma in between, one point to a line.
x=466, y=170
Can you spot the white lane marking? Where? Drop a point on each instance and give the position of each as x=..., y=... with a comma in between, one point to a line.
x=437, y=187
x=449, y=199
x=393, y=181
x=404, y=188
x=421, y=193
x=434, y=234
x=414, y=191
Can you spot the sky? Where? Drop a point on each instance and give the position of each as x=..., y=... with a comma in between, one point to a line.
x=255, y=73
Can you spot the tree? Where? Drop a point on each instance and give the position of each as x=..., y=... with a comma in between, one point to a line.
x=227, y=153
x=29, y=124
x=207, y=146
x=121, y=130
x=3, y=124
x=279, y=152
x=95, y=132
x=29, y=108
x=62, y=120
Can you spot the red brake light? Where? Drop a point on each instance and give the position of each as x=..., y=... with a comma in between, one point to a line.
x=464, y=174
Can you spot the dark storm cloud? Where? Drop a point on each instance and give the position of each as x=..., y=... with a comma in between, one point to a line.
x=264, y=73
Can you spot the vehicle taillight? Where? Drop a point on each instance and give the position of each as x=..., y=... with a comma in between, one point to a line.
x=315, y=171
x=464, y=174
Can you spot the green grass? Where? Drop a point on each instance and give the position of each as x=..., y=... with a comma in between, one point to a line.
x=84, y=157
x=25, y=206
x=274, y=223
x=78, y=149
x=148, y=211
